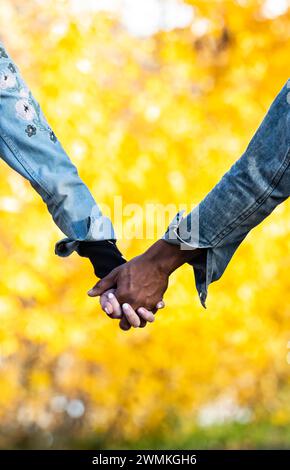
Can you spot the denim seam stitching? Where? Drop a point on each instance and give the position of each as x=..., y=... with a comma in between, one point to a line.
x=209, y=268
x=261, y=199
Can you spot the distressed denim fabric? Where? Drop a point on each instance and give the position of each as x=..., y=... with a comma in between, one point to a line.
x=30, y=147
x=247, y=193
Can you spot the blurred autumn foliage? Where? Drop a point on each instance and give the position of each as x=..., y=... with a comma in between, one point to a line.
x=154, y=119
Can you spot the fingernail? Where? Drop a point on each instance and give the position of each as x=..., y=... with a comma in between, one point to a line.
x=160, y=305
x=110, y=295
x=107, y=311
x=125, y=306
x=90, y=292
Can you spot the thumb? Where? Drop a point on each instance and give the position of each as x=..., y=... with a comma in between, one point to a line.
x=104, y=284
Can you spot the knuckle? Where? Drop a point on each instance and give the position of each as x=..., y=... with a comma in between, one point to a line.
x=120, y=296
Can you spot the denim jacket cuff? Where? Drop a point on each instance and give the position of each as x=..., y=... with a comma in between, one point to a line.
x=178, y=233
x=100, y=229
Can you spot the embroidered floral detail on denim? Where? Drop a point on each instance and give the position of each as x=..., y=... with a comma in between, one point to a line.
x=52, y=136
x=30, y=130
x=12, y=68
x=3, y=54
x=27, y=109
x=7, y=80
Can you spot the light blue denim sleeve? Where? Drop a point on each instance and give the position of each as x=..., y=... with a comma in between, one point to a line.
x=29, y=146
x=247, y=194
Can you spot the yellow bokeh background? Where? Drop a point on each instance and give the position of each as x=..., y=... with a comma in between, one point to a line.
x=154, y=119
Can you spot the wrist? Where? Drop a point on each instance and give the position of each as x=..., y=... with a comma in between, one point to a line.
x=169, y=257
x=103, y=254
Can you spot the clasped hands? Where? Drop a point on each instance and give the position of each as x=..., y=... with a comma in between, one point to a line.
x=134, y=291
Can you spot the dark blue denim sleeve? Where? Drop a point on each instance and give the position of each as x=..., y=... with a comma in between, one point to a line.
x=247, y=194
